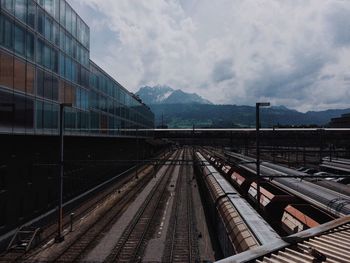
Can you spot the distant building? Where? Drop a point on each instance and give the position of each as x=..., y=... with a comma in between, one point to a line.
x=45, y=61
x=341, y=122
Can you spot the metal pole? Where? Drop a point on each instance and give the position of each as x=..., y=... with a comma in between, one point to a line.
x=257, y=107
x=137, y=152
x=257, y=155
x=60, y=237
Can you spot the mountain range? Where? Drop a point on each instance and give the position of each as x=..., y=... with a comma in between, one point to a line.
x=167, y=95
x=178, y=109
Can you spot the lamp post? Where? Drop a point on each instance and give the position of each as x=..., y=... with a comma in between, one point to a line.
x=60, y=237
x=257, y=108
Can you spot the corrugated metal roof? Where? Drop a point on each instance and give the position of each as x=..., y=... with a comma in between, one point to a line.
x=330, y=247
x=329, y=242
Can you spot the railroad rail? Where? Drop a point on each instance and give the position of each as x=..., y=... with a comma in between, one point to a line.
x=90, y=236
x=49, y=231
x=131, y=245
x=182, y=245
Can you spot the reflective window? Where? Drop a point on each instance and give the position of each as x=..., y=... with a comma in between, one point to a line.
x=74, y=24
x=54, y=60
x=62, y=63
x=19, y=75
x=39, y=82
x=62, y=39
x=54, y=88
x=48, y=116
x=30, y=46
x=21, y=10
x=48, y=85
x=6, y=32
x=8, y=5
x=56, y=11
x=6, y=70
x=56, y=34
x=47, y=57
x=62, y=12
x=19, y=120
x=29, y=117
x=68, y=94
x=41, y=21
x=6, y=109
x=39, y=105
x=19, y=40
x=84, y=99
x=31, y=13
x=48, y=28
x=39, y=52
x=61, y=91
x=30, y=78
x=70, y=118
x=68, y=69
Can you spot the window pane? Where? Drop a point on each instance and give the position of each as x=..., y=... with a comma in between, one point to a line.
x=61, y=91
x=54, y=60
x=19, y=40
x=48, y=28
x=29, y=119
x=48, y=122
x=68, y=18
x=48, y=6
x=62, y=62
x=39, y=82
x=48, y=85
x=47, y=56
x=41, y=21
x=68, y=97
x=62, y=39
x=6, y=110
x=6, y=70
x=74, y=24
x=56, y=34
x=30, y=79
x=39, y=52
x=20, y=112
x=68, y=68
x=54, y=88
x=62, y=12
x=8, y=5
x=39, y=115
x=77, y=98
x=6, y=32
x=30, y=46
x=21, y=10
x=56, y=10
x=55, y=112
x=20, y=75
x=31, y=13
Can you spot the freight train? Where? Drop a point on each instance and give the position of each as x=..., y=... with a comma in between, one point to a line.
x=237, y=225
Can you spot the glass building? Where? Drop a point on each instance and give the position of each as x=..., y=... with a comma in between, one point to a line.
x=44, y=61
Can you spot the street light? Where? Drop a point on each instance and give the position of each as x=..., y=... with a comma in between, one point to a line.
x=60, y=237
x=257, y=108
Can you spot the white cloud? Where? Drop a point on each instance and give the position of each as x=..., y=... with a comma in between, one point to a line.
x=291, y=52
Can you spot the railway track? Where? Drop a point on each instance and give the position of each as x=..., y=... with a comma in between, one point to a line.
x=182, y=245
x=51, y=229
x=88, y=238
x=132, y=243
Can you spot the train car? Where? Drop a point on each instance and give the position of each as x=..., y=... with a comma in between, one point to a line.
x=273, y=200
x=238, y=226
x=299, y=217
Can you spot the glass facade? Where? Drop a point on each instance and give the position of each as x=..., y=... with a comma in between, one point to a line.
x=44, y=61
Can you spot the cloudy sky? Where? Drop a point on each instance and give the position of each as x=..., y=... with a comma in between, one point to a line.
x=289, y=52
